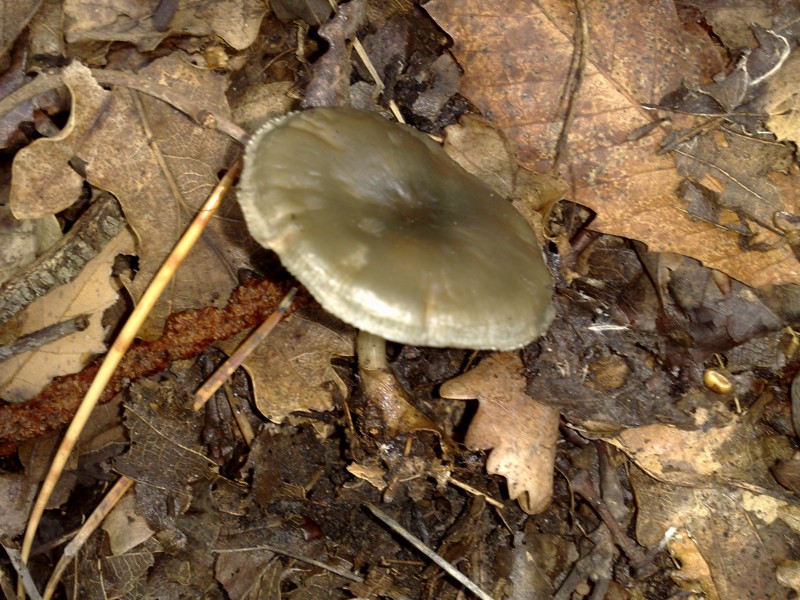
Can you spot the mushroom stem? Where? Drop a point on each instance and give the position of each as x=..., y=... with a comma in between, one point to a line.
x=385, y=393
x=371, y=351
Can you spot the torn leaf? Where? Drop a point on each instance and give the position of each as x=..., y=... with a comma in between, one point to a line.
x=521, y=431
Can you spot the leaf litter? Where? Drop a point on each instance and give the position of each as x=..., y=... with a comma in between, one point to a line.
x=667, y=381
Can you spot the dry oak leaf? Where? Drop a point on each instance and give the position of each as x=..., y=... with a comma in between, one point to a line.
x=161, y=174
x=43, y=182
x=291, y=370
x=516, y=59
x=93, y=291
x=521, y=431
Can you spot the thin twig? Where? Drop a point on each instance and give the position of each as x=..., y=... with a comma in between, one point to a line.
x=71, y=550
x=419, y=545
x=23, y=575
x=235, y=404
x=300, y=557
x=63, y=262
x=44, y=336
x=118, y=349
x=573, y=83
x=246, y=348
x=474, y=491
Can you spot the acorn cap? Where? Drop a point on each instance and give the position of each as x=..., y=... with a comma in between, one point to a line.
x=391, y=235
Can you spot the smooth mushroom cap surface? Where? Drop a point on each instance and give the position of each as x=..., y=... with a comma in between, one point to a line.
x=391, y=235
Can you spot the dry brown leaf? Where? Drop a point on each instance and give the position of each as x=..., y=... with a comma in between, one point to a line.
x=44, y=32
x=17, y=493
x=476, y=145
x=23, y=376
x=372, y=473
x=521, y=431
x=146, y=24
x=43, y=182
x=782, y=101
x=124, y=527
x=636, y=55
x=14, y=17
x=291, y=370
x=725, y=549
x=161, y=174
x=732, y=454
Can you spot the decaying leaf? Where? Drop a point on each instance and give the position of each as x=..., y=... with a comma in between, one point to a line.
x=725, y=549
x=14, y=17
x=146, y=24
x=291, y=369
x=100, y=576
x=161, y=174
x=43, y=182
x=731, y=454
x=736, y=169
x=521, y=431
x=165, y=453
x=249, y=575
x=93, y=291
x=632, y=189
x=124, y=527
x=782, y=101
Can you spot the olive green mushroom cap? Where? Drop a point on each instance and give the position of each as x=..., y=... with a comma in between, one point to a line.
x=391, y=235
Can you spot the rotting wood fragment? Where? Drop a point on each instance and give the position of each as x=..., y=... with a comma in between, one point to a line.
x=186, y=335
x=97, y=226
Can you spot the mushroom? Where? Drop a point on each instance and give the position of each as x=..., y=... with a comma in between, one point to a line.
x=392, y=236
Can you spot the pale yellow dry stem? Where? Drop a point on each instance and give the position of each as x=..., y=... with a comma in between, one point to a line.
x=248, y=435
x=475, y=492
x=110, y=500
x=117, y=351
x=244, y=350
